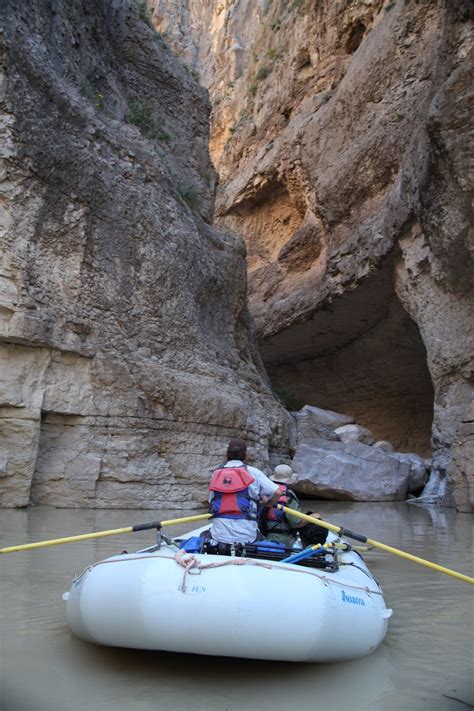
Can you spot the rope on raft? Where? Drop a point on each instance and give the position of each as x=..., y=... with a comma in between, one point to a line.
x=189, y=561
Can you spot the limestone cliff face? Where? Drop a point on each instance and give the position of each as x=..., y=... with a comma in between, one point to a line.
x=342, y=132
x=127, y=354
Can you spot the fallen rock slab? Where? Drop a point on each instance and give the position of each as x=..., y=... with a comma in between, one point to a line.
x=314, y=420
x=418, y=474
x=349, y=472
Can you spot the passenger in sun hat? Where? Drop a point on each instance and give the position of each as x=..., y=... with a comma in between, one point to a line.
x=283, y=474
x=277, y=525
x=283, y=527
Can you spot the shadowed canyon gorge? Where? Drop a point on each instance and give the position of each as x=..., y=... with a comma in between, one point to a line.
x=142, y=283
x=343, y=133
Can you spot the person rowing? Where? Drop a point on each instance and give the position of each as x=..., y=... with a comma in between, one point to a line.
x=236, y=492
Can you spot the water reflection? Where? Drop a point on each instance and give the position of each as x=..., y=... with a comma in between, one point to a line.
x=424, y=663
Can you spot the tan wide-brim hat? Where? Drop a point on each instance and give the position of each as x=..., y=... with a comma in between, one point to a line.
x=283, y=474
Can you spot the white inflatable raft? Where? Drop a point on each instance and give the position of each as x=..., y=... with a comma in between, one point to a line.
x=228, y=606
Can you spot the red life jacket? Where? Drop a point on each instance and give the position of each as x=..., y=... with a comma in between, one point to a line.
x=274, y=514
x=231, y=497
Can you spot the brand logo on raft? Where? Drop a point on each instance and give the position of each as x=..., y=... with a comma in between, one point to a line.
x=352, y=599
x=194, y=590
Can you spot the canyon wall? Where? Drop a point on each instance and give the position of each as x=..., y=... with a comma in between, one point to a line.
x=127, y=354
x=342, y=132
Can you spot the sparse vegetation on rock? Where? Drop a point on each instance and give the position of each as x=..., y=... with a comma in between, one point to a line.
x=143, y=114
x=190, y=195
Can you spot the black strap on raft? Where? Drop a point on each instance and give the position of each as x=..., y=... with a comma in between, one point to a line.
x=147, y=526
x=328, y=563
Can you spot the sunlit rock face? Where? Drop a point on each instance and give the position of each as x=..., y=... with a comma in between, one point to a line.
x=127, y=355
x=342, y=133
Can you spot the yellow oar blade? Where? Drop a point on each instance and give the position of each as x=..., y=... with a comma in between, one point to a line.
x=102, y=534
x=389, y=549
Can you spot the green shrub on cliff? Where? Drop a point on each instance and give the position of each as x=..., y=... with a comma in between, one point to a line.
x=189, y=194
x=262, y=73
x=143, y=115
x=273, y=53
x=143, y=11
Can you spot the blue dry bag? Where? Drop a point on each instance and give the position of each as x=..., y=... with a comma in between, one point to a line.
x=192, y=545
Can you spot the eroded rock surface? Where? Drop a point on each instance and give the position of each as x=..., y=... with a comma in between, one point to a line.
x=349, y=471
x=461, y=468
x=418, y=471
x=339, y=462
x=127, y=355
x=343, y=136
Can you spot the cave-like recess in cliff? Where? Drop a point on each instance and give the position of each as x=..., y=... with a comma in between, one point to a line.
x=361, y=355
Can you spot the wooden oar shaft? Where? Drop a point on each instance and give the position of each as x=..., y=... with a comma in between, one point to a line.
x=103, y=534
x=376, y=544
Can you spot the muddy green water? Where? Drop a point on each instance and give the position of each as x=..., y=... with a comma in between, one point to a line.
x=425, y=662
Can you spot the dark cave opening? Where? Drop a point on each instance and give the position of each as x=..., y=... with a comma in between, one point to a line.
x=361, y=355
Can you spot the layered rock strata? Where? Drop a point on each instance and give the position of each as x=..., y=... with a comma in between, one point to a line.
x=127, y=355
x=343, y=136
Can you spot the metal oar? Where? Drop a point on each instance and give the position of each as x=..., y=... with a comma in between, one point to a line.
x=358, y=537
x=100, y=534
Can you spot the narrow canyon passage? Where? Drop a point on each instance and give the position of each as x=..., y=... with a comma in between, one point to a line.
x=338, y=131
x=175, y=169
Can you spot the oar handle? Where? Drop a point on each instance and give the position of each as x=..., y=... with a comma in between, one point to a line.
x=147, y=526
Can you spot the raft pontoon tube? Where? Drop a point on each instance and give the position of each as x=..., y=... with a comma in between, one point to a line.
x=163, y=598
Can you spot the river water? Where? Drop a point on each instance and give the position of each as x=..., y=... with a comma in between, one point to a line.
x=425, y=662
